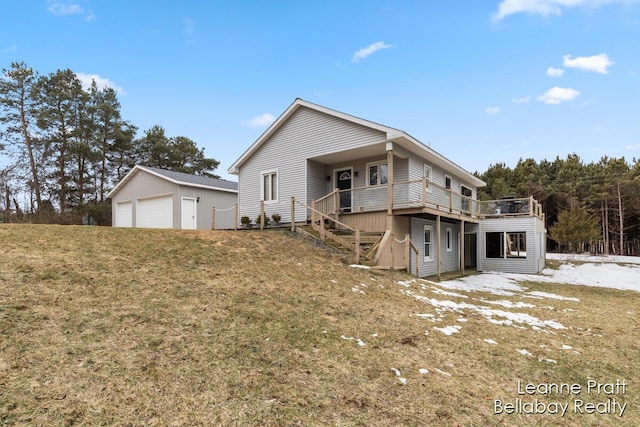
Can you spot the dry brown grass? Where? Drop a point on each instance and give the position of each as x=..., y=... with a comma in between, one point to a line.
x=102, y=326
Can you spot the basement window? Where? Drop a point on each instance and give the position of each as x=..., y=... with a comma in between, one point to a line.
x=428, y=233
x=506, y=244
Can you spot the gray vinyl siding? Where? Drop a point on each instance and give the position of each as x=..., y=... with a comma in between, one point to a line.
x=306, y=134
x=449, y=260
x=437, y=195
x=534, y=229
x=144, y=185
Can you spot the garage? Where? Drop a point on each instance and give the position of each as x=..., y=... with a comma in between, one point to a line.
x=124, y=214
x=155, y=212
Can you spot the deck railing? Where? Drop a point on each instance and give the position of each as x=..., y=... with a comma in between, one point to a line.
x=423, y=193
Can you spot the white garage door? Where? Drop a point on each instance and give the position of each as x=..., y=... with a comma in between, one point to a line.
x=124, y=214
x=156, y=212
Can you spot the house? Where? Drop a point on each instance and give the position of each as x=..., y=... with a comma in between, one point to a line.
x=156, y=198
x=345, y=175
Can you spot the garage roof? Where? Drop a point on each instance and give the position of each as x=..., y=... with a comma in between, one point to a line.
x=181, y=179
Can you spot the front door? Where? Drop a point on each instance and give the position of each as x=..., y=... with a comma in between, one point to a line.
x=344, y=182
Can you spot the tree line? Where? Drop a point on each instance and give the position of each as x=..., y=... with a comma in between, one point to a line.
x=589, y=207
x=62, y=148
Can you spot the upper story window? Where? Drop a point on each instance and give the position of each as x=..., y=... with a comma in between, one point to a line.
x=377, y=173
x=269, y=190
x=447, y=184
x=428, y=173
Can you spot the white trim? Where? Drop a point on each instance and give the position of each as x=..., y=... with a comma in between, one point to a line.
x=262, y=175
x=376, y=163
x=425, y=168
x=448, y=239
x=431, y=244
x=155, y=196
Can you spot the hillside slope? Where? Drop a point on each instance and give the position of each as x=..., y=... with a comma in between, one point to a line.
x=104, y=326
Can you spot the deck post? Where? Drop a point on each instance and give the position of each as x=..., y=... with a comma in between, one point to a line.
x=236, y=213
x=393, y=255
x=336, y=204
x=261, y=214
x=293, y=213
x=462, y=248
x=213, y=218
x=438, y=247
x=357, y=248
x=424, y=191
x=530, y=205
x=407, y=251
x=313, y=213
x=389, y=185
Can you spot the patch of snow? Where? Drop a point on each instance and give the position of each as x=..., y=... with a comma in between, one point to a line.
x=396, y=371
x=425, y=315
x=507, y=304
x=595, y=258
x=490, y=341
x=403, y=381
x=547, y=360
x=423, y=371
x=536, y=294
x=449, y=330
x=462, y=319
x=566, y=347
x=447, y=293
x=446, y=374
x=364, y=267
x=524, y=352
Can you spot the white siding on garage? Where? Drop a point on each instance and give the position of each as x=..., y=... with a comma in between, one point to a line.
x=306, y=134
x=155, y=212
x=124, y=214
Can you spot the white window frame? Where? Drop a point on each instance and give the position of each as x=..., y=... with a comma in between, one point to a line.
x=378, y=164
x=427, y=172
x=446, y=190
x=430, y=243
x=448, y=239
x=263, y=196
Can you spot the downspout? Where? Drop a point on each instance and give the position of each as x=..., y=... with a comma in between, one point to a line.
x=389, y=185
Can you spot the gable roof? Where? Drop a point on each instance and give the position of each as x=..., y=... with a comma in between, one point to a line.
x=179, y=178
x=392, y=134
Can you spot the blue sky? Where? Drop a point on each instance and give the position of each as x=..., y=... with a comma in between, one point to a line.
x=483, y=82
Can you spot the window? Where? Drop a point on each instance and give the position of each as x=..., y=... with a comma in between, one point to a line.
x=269, y=190
x=515, y=244
x=467, y=193
x=378, y=173
x=427, y=174
x=447, y=185
x=428, y=232
x=448, y=239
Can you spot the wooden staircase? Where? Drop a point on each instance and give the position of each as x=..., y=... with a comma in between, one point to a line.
x=344, y=241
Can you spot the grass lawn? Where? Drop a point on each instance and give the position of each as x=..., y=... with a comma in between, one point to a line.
x=106, y=326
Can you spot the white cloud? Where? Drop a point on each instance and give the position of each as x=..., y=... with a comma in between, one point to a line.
x=63, y=8
x=547, y=7
x=492, y=111
x=522, y=100
x=558, y=95
x=366, y=51
x=596, y=63
x=261, y=120
x=86, y=80
x=11, y=49
x=555, y=72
